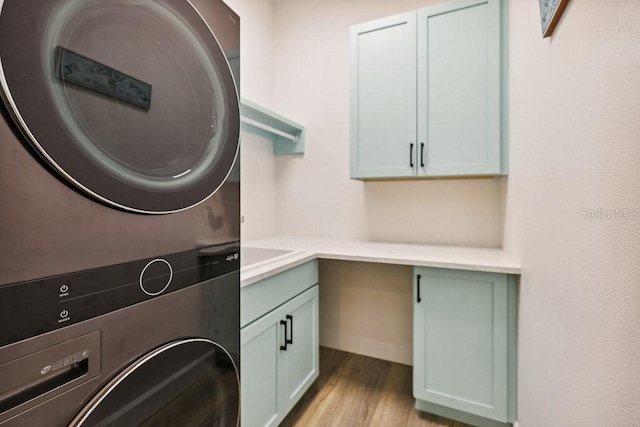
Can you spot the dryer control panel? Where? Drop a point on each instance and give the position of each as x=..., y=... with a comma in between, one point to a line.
x=39, y=306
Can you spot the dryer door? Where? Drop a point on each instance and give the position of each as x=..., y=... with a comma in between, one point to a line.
x=133, y=102
x=191, y=382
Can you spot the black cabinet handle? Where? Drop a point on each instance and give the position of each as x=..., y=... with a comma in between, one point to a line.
x=422, y=154
x=419, y=277
x=411, y=155
x=284, y=347
x=290, y=340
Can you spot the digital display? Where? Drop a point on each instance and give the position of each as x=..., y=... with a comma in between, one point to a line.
x=78, y=69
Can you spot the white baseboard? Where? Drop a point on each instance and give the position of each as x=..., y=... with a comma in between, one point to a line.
x=380, y=350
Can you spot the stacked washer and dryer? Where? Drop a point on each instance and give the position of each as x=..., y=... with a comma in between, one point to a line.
x=119, y=215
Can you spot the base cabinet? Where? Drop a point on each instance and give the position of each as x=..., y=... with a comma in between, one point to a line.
x=279, y=359
x=464, y=345
x=299, y=362
x=260, y=402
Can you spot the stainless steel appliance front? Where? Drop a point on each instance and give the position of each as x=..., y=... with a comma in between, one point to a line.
x=168, y=359
x=133, y=103
x=79, y=156
x=113, y=111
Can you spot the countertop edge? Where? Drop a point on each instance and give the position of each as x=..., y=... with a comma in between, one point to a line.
x=473, y=259
x=255, y=275
x=425, y=263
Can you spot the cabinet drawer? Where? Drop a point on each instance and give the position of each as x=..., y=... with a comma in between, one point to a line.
x=261, y=297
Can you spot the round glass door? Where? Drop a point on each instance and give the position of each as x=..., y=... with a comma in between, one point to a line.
x=186, y=383
x=131, y=101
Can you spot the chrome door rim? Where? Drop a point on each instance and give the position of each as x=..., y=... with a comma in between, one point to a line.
x=13, y=110
x=113, y=384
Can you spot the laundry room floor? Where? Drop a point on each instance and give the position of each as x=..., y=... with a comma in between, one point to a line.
x=354, y=390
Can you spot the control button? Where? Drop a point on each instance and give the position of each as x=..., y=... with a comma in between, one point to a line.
x=84, y=354
x=64, y=289
x=45, y=370
x=67, y=361
x=64, y=313
x=156, y=277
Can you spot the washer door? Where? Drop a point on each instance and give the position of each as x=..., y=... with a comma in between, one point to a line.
x=191, y=383
x=132, y=101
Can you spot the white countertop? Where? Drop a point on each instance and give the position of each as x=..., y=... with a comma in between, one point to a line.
x=307, y=248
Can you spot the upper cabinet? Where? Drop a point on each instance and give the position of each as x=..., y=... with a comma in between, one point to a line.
x=383, y=98
x=428, y=93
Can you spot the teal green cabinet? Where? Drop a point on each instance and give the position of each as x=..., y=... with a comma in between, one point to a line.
x=459, y=108
x=299, y=361
x=279, y=356
x=465, y=345
x=383, y=98
x=259, y=363
x=428, y=92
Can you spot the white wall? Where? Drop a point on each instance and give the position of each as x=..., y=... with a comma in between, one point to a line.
x=295, y=60
x=257, y=166
x=366, y=309
x=575, y=143
x=315, y=195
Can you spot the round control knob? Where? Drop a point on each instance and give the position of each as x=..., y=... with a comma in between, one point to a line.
x=156, y=276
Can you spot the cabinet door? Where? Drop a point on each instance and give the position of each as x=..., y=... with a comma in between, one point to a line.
x=459, y=75
x=260, y=348
x=383, y=98
x=299, y=364
x=460, y=341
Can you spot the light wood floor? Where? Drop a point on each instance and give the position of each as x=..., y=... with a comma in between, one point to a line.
x=355, y=390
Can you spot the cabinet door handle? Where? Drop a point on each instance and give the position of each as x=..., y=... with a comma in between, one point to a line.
x=290, y=340
x=422, y=154
x=284, y=347
x=418, y=293
x=411, y=155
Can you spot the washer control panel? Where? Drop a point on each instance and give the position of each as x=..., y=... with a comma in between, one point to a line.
x=39, y=306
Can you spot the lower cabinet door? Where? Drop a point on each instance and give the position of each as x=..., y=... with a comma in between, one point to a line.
x=260, y=348
x=299, y=363
x=461, y=342
x=279, y=360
